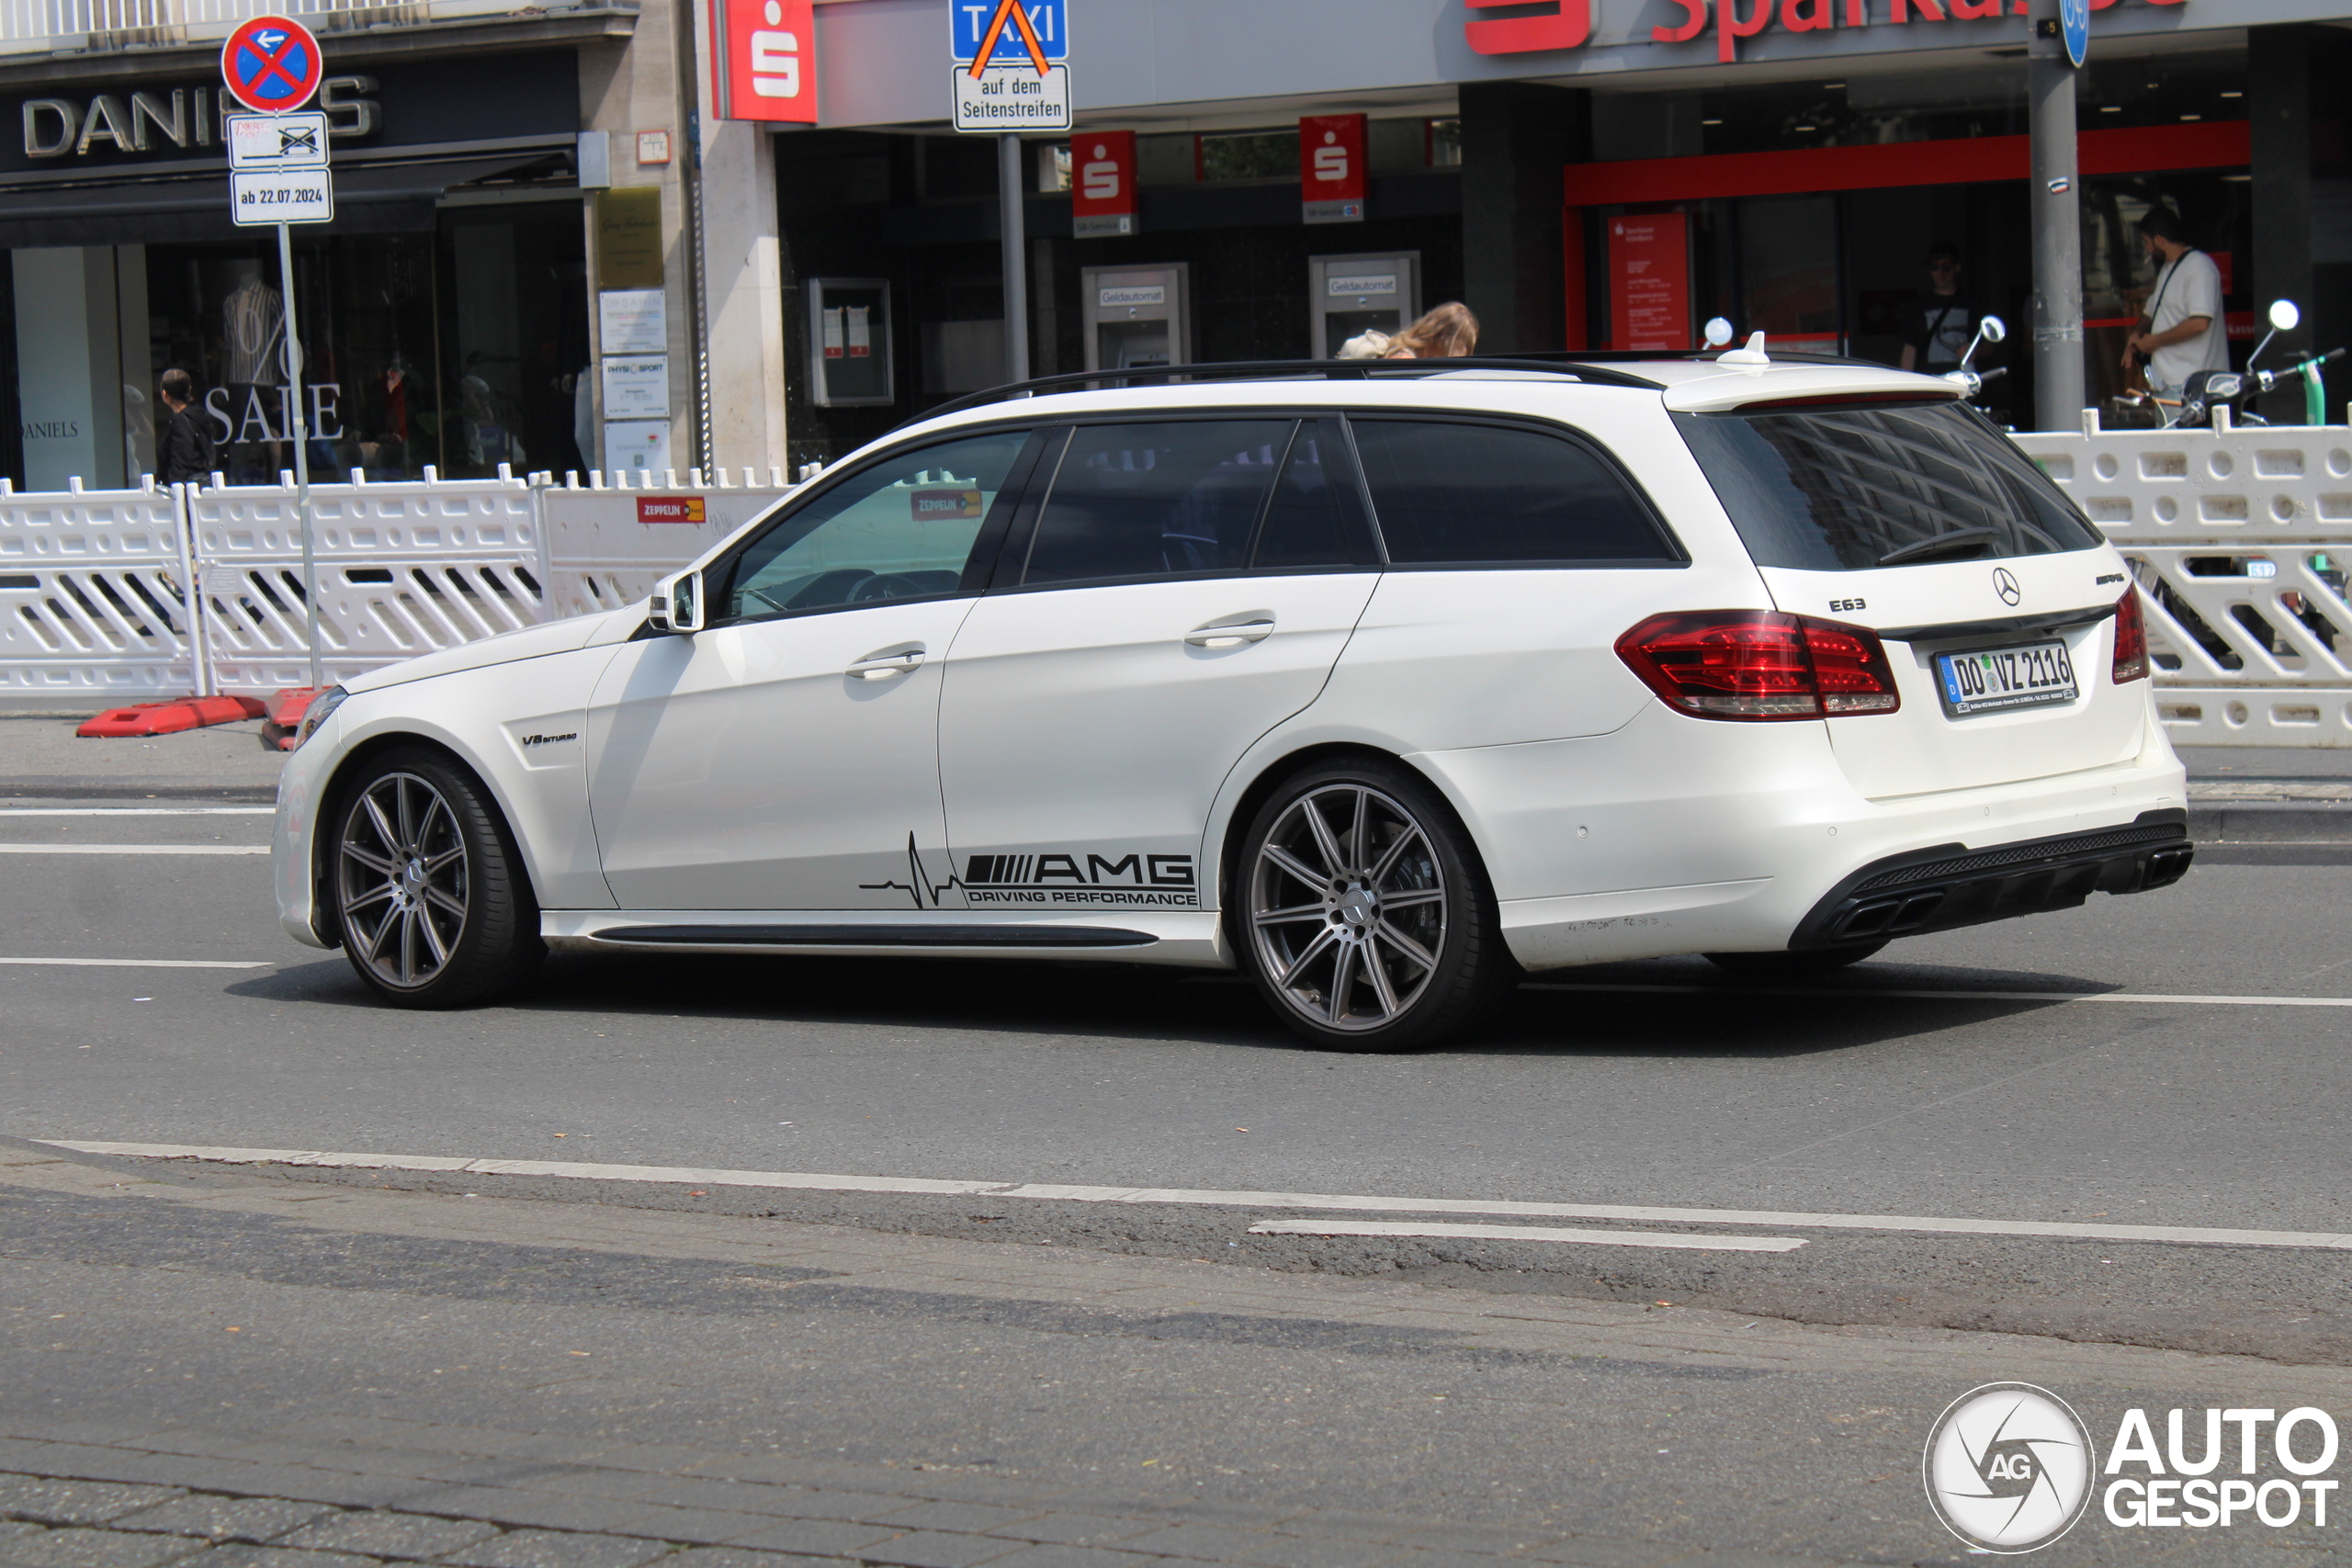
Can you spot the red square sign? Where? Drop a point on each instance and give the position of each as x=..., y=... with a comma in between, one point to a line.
x=1103, y=183
x=1331, y=167
x=765, y=66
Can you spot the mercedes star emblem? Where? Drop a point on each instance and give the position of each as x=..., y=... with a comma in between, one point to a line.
x=2006, y=586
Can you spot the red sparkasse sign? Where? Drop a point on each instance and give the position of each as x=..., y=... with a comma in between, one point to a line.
x=765, y=64
x=1331, y=167
x=272, y=64
x=1103, y=182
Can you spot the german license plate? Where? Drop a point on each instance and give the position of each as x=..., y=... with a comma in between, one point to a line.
x=1993, y=680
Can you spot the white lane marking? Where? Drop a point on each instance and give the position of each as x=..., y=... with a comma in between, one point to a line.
x=1529, y=1233
x=134, y=849
x=2150, y=997
x=1210, y=1197
x=140, y=963
x=138, y=811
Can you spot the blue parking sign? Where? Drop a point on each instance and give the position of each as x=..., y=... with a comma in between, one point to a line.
x=971, y=21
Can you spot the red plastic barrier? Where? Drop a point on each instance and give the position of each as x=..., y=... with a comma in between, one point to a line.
x=282, y=724
x=168, y=718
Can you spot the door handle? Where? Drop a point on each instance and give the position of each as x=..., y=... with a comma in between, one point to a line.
x=1233, y=633
x=882, y=665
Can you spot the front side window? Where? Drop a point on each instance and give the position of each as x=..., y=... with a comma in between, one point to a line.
x=1451, y=492
x=1857, y=488
x=903, y=528
x=1157, y=499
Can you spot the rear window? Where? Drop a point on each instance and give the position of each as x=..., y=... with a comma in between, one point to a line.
x=1854, y=489
x=1454, y=493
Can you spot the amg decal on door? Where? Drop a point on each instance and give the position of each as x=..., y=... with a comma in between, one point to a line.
x=1127, y=881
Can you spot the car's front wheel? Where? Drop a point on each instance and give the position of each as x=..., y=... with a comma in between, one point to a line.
x=435, y=908
x=1365, y=916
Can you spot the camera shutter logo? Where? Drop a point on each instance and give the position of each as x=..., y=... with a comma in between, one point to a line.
x=2009, y=1467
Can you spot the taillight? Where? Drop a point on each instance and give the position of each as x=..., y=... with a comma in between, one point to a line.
x=1761, y=665
x=2131, y=641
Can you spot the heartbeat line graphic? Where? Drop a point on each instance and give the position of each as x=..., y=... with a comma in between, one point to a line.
x=921, y=886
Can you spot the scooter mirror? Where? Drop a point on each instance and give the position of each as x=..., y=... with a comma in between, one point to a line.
x=1719, y=332
x=1993, y=329
x=2284, y=317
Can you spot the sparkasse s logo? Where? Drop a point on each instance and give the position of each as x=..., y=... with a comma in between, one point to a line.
x=2008, y=1467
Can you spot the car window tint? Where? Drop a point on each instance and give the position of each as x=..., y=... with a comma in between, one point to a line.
x=901, y=529
x=1155, y=500
x=1316, y=517
x=1840, y=490
x=1452, y=492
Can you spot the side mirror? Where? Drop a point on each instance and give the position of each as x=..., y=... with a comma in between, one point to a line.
x=1993, y=328
x=2284, y=317
x=677, y=605
x=1719, y=332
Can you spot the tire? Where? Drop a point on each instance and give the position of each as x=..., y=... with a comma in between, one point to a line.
x=1793, y=965
x=434, y=907
x=1362, y=910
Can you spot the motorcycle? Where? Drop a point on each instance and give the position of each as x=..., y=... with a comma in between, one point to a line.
x=2209, y=390
x=1970, y=380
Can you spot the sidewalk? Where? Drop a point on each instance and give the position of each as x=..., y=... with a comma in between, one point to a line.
x=2270, y=805
x=42, y=759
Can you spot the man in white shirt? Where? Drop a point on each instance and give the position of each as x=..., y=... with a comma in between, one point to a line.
x=2187, y=334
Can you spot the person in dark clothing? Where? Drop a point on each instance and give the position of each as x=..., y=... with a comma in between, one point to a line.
x=187, y=454
x=1942, y=322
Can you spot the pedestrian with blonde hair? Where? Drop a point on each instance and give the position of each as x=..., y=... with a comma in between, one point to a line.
x=1449, y=332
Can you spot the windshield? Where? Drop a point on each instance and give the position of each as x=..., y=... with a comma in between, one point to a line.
x=1856, y=489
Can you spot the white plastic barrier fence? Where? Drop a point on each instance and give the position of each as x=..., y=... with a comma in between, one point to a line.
x=2241, y=537
x=93, y=612
x=608, y=542
x=402, y=570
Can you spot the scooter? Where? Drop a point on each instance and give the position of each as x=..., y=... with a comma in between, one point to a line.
x=1971, y=381
x=2209, y=390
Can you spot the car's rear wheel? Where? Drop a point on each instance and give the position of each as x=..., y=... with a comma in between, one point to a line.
x=435, y=910
x=1365, y=916
x=1787, y=965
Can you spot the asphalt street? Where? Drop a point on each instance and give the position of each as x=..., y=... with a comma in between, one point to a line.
x=1976, y=1075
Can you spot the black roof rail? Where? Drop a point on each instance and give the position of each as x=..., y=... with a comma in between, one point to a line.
x=1567, y=366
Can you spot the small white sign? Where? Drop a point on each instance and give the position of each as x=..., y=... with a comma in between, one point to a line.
x=1128, y=295
x=638, y=387
x=278, y=140
x=637, y=443
x=633, y=320
x=281, y=196
x=1361, y=287
x=1010, y=97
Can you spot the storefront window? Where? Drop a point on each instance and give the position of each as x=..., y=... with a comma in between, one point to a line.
x=460, y=349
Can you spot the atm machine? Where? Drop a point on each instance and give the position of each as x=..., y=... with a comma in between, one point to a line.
x=1137, y=316
x=1347, y=295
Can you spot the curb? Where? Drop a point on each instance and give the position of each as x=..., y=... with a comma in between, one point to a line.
x=2271, y=822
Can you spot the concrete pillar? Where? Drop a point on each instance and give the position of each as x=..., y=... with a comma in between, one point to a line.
x=746, y=308
x=1516, y=137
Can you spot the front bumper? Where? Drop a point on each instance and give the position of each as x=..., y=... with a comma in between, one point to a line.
x=1951, y=886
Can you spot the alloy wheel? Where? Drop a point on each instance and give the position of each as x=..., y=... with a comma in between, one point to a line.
x=403, y=878
x=1348, y=908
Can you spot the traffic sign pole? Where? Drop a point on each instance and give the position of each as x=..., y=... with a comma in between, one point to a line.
x=1016, y=276
x=301, y=430
x=272, y=65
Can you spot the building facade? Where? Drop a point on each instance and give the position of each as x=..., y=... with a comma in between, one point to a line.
x=511, y=185
x=1584, y=173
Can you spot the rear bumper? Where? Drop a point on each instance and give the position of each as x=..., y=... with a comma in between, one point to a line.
x=1951, y=886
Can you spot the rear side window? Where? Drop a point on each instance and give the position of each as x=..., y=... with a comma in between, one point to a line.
x=1856, y=489
x=1316, y=517
x=1452, y=492
x=1157, y=499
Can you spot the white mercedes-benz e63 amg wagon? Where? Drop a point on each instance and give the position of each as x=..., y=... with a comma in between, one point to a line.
x=1385, y=684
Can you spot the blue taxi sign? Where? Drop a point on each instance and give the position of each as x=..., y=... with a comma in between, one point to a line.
x=973, y=22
